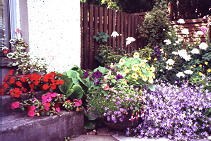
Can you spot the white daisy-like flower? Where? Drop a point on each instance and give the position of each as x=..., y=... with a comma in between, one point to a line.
x=195, y=51
x=168, y=67
x=114, y=34
x=203, y=46
x=129, y=40
x=170, y=62
x=185, y=31
x=181, y=21
x=167, y=42
x=175, y=53
x=199, y=33
x=183, y=54
x=188, y=71
x=180, y=74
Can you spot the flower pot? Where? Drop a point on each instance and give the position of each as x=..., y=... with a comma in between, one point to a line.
x=120, y=126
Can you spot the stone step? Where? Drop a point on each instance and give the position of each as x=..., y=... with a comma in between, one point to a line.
x=19, y=127
x=5, y=102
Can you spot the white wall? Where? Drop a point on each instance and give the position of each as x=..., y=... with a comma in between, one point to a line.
x=54, y=32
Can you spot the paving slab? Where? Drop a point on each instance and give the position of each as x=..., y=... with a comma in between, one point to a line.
x=94, y=138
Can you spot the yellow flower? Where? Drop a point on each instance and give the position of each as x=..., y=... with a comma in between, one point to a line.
x=121, y=61
x=126, y=71
x=150, y=80
x=200, y=73
x=144, y=78
x=149, y=58
x=135, y=67
x=136, y=55
x=152, y=69
x=200, y=65
x=209, y=70
x=206, y=63
x=134, y=76
x=155, y=59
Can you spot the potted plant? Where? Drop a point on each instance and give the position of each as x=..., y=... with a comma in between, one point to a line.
x=115, y=92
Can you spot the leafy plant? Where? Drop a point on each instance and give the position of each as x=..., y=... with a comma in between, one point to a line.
x=21, y=58
x=72, y=83
x=101, y=37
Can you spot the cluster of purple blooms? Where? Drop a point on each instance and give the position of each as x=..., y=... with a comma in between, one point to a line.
x=177, y=113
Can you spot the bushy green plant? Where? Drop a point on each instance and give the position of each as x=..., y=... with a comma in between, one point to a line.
x=120, y=82
x=101, y=37
x=21, y=59
x=155, y=26
x=106, y=55
x=72, y=86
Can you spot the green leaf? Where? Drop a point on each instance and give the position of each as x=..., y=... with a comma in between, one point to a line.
x=77, y=92
x=89, y=125
x=151, y=87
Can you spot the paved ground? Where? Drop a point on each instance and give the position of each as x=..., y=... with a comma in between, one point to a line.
x=105, y=134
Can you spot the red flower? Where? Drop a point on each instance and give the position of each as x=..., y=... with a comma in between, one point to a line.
x=35, y=77
x=53, y=87
x=1, y=91
x=6, y=51
x=19, y=84
x=23, y=78
x=31, y=111
x=16, y=92
x=49, y=76
x=47, y=106
x=59, y=82
x=5, y=86
x=15, y=105
x=77, y=102
x=11, y=72
x=12, y=80
x=45, y=87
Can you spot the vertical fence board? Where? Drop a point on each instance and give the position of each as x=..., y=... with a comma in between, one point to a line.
x=91, y=42
x=86, y=37
x=110, y=24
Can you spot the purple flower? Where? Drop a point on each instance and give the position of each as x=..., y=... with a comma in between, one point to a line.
x=119, y=76
x=97, y=74
x=86, y=74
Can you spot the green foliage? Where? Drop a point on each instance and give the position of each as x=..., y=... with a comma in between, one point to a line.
x=72, y=86
x=106, y=55
x=155, y=26
x=101, y=37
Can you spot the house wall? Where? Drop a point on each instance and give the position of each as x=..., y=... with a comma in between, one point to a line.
x=53, y=31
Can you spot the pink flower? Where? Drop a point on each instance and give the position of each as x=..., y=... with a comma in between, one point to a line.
x=31, y=111
x=106, y=88
x=58, y=109
x=15, y=105
x=47, y=106
x=53, y=94
x=77, y=102
x=46, y=98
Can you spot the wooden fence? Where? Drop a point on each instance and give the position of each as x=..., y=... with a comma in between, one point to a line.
x=96, y=19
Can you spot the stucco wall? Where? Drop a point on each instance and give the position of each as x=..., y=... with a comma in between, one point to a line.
x=54, y=32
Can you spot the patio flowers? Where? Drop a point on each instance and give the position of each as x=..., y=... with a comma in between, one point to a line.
x=115, y=92
x=178, y=113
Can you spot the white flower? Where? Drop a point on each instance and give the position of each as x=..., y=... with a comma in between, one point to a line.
x=181, y=21
x=183, y=54
x=175, y=53
x=168, y=67
x=195, y=51
x=170, y=62
x=177, y=42
x=167, y=41
x=203, y=46
x=188, y=71
x=114, y=34
x=129, y=40
x=185, y=31
x=199, y=33
x=180, y=74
